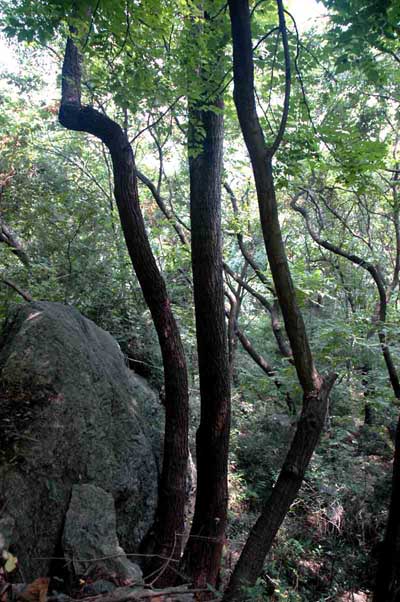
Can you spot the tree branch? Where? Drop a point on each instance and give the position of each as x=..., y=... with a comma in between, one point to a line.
x=272, y=309
x=162, y=206
x=24, y=294
x=285, y=112
x=377, y=278
x=373, y=271
x=9, y=238
x=250, y=260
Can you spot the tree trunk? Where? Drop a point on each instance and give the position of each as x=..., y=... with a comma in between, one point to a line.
x=204, y=548
x=272, y=308
x=262, y=534
x=315, y=388
x=387, y=587
x=169, y=520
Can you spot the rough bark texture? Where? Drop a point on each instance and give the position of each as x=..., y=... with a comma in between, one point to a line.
x=204, y=548
x=170, y=514
x=261, y=159
x=283, y=494
x=387, y=587
x=315, y=388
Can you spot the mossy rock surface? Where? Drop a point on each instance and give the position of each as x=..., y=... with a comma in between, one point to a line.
x=70, y=413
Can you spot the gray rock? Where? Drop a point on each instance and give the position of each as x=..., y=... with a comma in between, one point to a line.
x=102, y=586
x=151, y=410
x=69, y=415
x=90, y=540
x=7, y=525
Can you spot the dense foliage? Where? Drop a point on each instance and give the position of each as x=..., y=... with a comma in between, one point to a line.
x=337, y=178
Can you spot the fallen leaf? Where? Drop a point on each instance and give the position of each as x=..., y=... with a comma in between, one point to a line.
x=11, y=562
x=36, y=591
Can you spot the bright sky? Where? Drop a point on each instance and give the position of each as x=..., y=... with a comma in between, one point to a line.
x=306, y=12
x=8, y=60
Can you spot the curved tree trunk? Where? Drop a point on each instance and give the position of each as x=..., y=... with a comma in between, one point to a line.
x=169, y=520
x=315, y=388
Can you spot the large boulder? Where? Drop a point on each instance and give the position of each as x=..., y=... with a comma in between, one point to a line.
x=71, y=413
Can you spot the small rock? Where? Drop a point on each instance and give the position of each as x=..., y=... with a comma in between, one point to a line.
x=90, y=539
x=102, y=586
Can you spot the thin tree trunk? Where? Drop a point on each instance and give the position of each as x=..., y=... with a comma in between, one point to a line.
x=272, y=308
x=387, y=586
x=315, y=388
x=169, y=521
x=261, y=537
x=235, y=297
x=204, y=548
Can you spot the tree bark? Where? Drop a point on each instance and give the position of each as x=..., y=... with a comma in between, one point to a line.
x=387, y=586
x=272, y=308
x=315, y=388
x=204, y=548
x=259, y=542
x=169, y=521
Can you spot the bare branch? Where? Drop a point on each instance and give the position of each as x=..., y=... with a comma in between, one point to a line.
x=250, y=260
x=378, y=280
x=160, y=118
x=367, y=265
x=162, y=206
x=285, y=112
x=24, y=294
